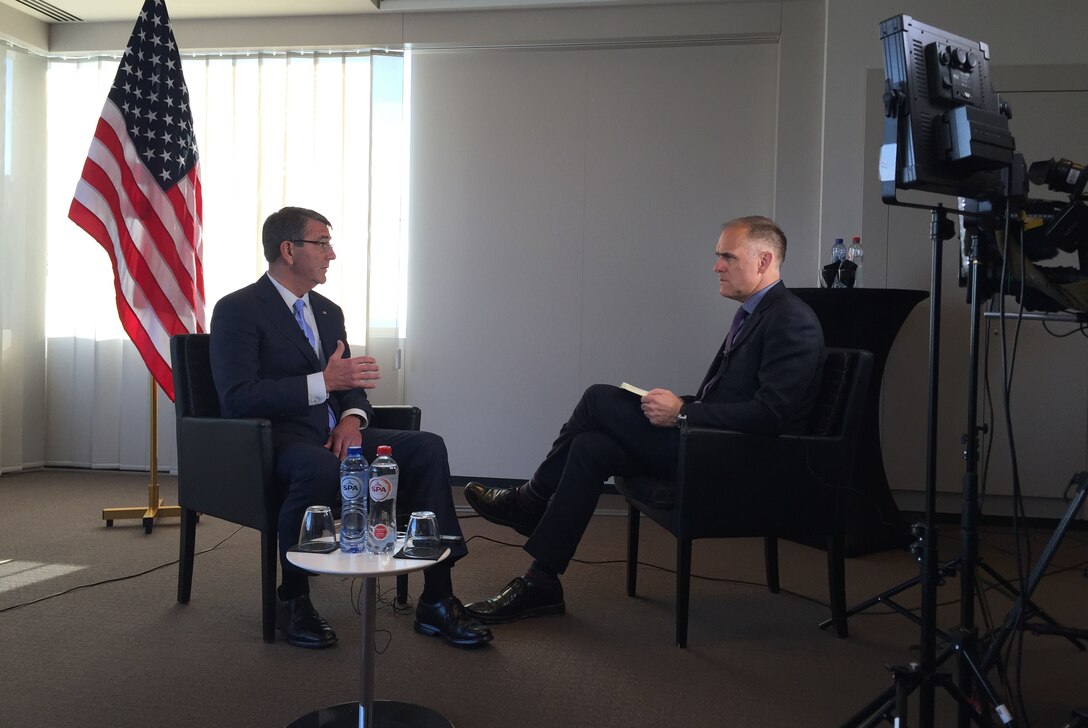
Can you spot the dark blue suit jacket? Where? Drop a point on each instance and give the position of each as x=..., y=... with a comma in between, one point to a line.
x=260, y=358
x=771, y=375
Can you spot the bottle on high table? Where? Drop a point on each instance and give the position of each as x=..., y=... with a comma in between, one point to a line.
x=856, y=255
x=382, y=529
x=354, y=480
x=838, y=255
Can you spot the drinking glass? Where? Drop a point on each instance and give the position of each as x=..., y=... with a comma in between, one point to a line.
x=829, y=275
x=421, y=538
x=317, y=533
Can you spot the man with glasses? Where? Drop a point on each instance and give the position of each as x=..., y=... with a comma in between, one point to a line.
x=279, y=351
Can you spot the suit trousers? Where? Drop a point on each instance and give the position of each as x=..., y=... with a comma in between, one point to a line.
x=311, y=476
x=606, y=435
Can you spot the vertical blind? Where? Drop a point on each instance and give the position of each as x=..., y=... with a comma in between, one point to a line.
x=318, y=130
x=22, y=250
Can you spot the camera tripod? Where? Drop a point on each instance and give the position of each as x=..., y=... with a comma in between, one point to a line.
x=971, y=691
x=951, y=568
x=922, y=676
x=892, y=702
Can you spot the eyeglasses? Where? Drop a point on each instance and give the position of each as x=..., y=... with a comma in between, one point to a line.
x=325, y=245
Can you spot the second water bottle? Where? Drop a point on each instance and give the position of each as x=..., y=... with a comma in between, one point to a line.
x=382, y=531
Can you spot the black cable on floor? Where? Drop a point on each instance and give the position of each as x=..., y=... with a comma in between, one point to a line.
x=116, y=578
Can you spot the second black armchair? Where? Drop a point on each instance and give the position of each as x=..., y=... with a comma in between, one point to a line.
x=732, y=484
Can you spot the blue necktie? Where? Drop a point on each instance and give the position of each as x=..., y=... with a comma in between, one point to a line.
x=299, y=305
x=734, y=329
x=738, y=322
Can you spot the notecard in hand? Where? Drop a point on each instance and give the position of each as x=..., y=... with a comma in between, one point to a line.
x=633, y=389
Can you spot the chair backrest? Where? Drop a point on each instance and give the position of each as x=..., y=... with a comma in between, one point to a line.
x=758, y=485
x=225, y=467
x=845, y=379
x=194, y=389
x=397, y=417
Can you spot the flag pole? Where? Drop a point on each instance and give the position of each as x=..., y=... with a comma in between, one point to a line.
x=155, y=508
x=139, y=197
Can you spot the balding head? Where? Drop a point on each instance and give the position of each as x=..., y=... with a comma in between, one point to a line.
x=749, y=254
x=763, y=233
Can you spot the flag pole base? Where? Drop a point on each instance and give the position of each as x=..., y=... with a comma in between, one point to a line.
x=154, y=510
x=109, y=515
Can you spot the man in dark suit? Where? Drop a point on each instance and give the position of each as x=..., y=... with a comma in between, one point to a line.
x=278, y=350
x=764, y=379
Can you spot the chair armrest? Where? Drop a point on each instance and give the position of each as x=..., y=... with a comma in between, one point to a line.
x=743, y=455
x=397, y=417
x=780, y=483
x=226, y=469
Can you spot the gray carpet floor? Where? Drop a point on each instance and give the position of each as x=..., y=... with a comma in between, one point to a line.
x=123, y=652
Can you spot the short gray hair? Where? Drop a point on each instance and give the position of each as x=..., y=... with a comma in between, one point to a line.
x=762, y=230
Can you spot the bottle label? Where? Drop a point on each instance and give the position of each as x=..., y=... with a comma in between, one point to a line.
x=383, y=488
x=351, y=487
x=380, y=532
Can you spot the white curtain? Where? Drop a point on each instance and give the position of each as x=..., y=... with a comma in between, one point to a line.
x=318, y=130
x=22, y=259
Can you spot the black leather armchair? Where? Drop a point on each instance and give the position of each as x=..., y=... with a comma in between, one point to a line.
x=731, y=484
x=225, y=467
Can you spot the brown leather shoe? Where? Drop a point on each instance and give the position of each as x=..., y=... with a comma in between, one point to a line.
x=500, y=505
x=523, y=597
x=302, y=625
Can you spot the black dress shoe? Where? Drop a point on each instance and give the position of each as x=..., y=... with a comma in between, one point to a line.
x=522, y=597
x=447, y=619
x=500, y=505
x=302, y=625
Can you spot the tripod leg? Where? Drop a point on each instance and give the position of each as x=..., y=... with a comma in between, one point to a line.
x=878, y=599
x=1079, y=720
x=902, y=692
x=1016, y=613
x=969, y=708
x=878, y=709
x=1031, y=608
x=885, y=598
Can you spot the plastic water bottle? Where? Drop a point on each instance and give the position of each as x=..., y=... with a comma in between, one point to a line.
x=382, y=531
x=354, y=477
x=855, y=255
x=838, y=255
x=838, y=251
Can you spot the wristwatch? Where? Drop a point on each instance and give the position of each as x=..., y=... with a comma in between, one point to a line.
x=680, y=421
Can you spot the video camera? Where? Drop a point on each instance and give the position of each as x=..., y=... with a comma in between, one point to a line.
x=947, y=131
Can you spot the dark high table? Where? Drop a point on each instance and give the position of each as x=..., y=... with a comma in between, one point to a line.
x=867, y=318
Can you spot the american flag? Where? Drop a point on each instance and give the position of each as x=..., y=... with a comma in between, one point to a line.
x=139, y=194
